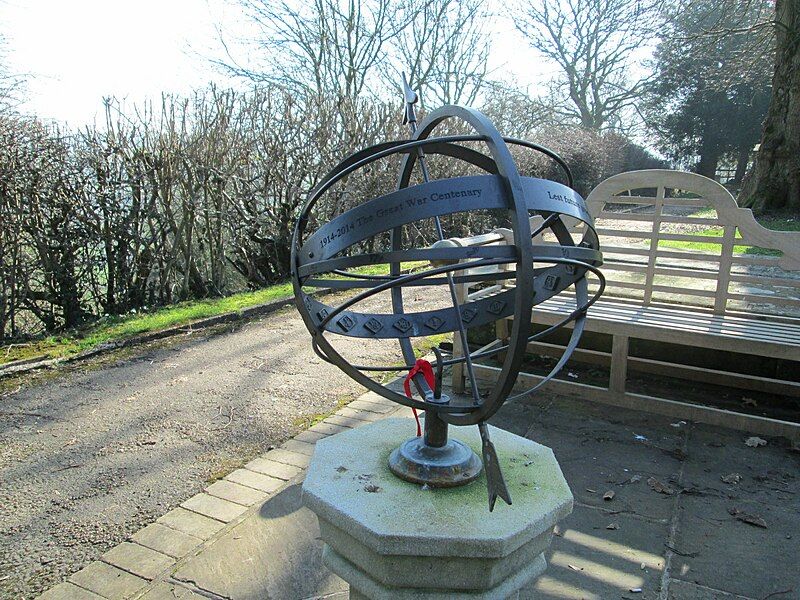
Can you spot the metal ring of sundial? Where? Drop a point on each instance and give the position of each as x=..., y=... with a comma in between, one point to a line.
x=329, y=250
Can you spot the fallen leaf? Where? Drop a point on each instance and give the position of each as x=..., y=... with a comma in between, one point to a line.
x=608, y=496
x=677, y=454
x=754, y=520
x=661, y=488
x=634, y=479
x=731, y=478
x=755, y=442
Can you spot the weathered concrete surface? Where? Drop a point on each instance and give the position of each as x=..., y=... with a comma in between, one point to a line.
x=350, y=471
x=275, y=554
x=690, y=545
x=389, y=539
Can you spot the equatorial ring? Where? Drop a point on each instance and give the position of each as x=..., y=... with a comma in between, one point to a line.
x=539, y=271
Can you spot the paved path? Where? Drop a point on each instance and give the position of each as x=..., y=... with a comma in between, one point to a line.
x=92, y=454
x=667, y=534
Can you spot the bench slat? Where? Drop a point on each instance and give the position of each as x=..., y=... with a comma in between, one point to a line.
x=689, y=312
x=701, y=202
x=772, y=281
x=733, y=341
x=765, y=299
x=648, y=218
x=661, y=270
x=685, y=321
x=750, y=259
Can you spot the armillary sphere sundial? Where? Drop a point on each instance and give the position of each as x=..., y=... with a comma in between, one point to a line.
x=328, y=257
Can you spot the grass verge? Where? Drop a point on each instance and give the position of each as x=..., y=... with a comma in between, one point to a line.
x=124, y=327
x=776, y=223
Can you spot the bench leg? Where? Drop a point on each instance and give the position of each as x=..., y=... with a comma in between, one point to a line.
x=501, y=334
x=458, y=368
x=458, y=381
x=619, y=363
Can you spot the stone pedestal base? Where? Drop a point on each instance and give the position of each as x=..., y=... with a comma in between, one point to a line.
x=391, y=539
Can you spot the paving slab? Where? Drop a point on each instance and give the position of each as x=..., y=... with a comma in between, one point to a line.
x=682, y=590
x=139, y=560
x=108, y=581
x=344, y=421
x=273, y=469
x=216, y=508
x=311, y=437
x=165, y=540
x=274, y=554
x=299, y=447
x=375, y=407
x=327, y=428
x=256, y=481
x=361, y=415
x=170, y=591
x=69, y=591
x=599, y=456
x=234, y=492
x=717, y=549
x=192, y=523
x=587, y=560
x=290, y=458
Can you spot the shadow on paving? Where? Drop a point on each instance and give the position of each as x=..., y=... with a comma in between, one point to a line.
x=683, y=545
x=274, y=554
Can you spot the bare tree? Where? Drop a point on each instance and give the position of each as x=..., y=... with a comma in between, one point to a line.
x=594, y=43
x=516, y=112
x=446, y=51
x=325, y=46
x=11, y=84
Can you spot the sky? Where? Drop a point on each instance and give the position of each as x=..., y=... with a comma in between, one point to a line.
x=76, y=52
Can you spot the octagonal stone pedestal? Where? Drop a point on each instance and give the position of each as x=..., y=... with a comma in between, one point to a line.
x=391, y=539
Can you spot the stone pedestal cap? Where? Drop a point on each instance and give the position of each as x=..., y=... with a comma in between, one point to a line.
x=386, y=533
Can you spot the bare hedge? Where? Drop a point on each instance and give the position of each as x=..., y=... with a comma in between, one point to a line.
x=193, y=198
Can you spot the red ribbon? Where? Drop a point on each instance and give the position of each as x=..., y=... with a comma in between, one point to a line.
x=424, y=367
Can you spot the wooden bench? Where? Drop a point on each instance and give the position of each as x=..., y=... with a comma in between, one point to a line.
x=684, y=266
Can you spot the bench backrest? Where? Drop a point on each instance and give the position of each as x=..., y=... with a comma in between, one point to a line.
x=676, y=237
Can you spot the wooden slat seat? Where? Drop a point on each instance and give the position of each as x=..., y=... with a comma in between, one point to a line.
x=707, y=330
x=686, y=266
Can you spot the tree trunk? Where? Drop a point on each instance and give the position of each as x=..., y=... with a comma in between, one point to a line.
x=709, y=158
x=775, y=181
x=741, y=164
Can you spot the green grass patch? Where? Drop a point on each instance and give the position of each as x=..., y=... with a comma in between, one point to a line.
x=123, y=327
x=775, y=223
x=306, y=421
x=127, y=326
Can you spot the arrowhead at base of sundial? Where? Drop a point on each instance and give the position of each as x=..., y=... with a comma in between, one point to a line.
x=389, y=538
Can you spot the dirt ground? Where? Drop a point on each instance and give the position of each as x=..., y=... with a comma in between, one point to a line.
x=90, y=454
